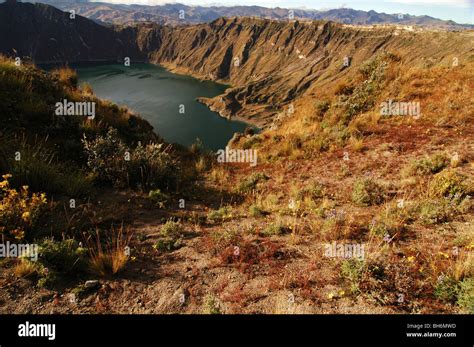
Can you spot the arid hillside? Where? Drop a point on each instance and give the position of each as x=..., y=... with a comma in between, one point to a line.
x=271, y=63
x=358, y=198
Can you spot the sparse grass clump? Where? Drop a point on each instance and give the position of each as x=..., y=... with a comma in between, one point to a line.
x=202, y=164
x=223, y=213
x=276, y=228
x=351, y=270
x=436, y=211
x=25, y=268
x=171, y=237
x=447, y=288
x=109, y=253
x=211, y=305
x=66, y=75
x=250, y=183
x=256, y=211
x=314, y=191
x=158, y=197
x=357, y=144
x=466, y=295
x=367, y=192
x=40, y=168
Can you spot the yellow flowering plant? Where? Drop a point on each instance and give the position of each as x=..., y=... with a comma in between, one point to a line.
x=19, y=210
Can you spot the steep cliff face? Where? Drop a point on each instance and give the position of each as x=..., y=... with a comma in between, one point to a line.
x=46, y=34
x=270, y=63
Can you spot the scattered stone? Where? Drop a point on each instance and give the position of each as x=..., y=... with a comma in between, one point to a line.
x=91, y=284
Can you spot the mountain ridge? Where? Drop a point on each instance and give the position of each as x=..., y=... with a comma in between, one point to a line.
x=170, y=14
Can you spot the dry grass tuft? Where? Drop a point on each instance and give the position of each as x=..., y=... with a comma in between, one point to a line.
x=109, y=257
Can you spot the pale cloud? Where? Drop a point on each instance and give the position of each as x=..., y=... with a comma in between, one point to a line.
x=453, y=3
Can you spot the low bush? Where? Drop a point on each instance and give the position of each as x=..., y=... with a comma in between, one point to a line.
x=466, y=295
x=171, y=237
x=149, y=166
x=158, y=197
x=450, y=184
x=276, y=228
x=250, y=183
x=221, y=214
x=256, y=211
x=367, y=192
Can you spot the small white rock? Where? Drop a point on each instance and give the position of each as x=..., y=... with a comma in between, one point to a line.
x=91, y=283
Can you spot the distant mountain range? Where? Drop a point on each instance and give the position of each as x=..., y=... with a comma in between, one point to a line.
x=179, y=14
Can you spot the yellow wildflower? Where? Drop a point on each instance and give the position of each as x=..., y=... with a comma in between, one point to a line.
x=26, y=216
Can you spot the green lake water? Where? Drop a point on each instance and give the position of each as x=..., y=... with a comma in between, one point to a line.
x=157, y=95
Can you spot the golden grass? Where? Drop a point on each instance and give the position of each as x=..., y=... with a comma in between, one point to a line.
x=357, y=144
x=111, y=256
x=24, y=268
x=66, y=75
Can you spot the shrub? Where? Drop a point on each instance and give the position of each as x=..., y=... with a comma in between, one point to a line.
x=255, y=211
x=344, y=89
x=168, y=244
x=19, y=210
x=449, y=184
x=429, y=165
x=64, y=257
x=58, y=259
x=250, y=183
x=106, y=157
x=367, y=192
x=158, y=197
x=433, y=164
x=362, y=97
x=276, y=228
x=252, y=142
x=321, y=108
x=171, y=234
x=446, y=288
x=149, y=166
x=436, y=211
x=314, y=191
x=153, y=166
x=220, y=214
x=351, y=270
x=211, y=305
x=172, y=229
x=466, y=295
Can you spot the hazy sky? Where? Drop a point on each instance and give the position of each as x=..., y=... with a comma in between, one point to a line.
x=461, y=11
